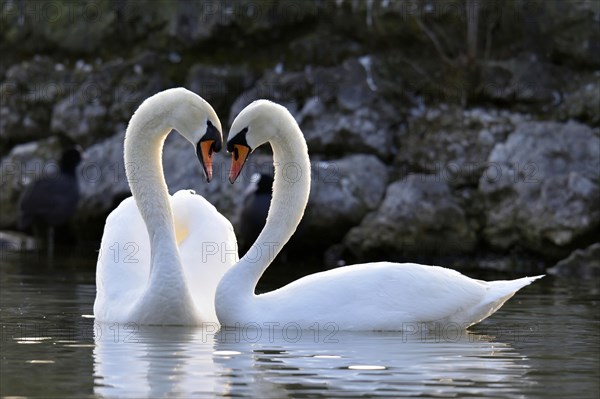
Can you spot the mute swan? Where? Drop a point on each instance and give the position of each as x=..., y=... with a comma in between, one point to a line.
x=151, y=267
x=372, y=296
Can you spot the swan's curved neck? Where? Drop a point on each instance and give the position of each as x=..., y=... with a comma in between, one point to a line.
x=144, y=142
x=291, y=188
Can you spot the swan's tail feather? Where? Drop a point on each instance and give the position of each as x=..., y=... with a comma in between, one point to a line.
x=500, y=289
x=499, y=292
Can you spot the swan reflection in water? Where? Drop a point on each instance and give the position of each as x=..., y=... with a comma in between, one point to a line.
x=146, y=361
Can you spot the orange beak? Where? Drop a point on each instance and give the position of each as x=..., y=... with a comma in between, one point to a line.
x=238, y=158
x=206, y=150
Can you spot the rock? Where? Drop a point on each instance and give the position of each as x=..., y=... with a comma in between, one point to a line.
x=343, y=191
x=11, y=241
x=358, y=118
x=453, y=143
x=541, y=188
x=136, y=79
x=27, y=93
x=582, y=263
x=288, y=89
x=524, y=79
x=338, y=133
x=79, y=120
x=338, y=108
x=582, y=102
x=219, y=85
x=419, y=215
x=103, y=182
x=106, y=98
x=21, y=167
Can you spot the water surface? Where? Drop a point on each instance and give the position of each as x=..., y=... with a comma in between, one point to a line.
x=544, y=343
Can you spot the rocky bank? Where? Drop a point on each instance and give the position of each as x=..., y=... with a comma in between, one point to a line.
x=450, y=132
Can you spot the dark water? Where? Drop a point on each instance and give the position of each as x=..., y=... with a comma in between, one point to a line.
x=544, y=343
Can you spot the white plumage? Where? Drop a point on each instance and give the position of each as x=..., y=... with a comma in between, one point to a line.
x=153, y=266
x=372, y=296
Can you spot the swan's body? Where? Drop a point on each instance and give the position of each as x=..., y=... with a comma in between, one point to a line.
x=124, y=261
x=372, y=296
x=154, y=265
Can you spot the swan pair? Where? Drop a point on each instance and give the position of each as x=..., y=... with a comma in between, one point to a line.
x=171, y=285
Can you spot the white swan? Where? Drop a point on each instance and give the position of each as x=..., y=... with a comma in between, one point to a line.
x=151, y=268
x=373, y=296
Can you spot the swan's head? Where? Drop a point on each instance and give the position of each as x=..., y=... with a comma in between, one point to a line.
x=255, y=125
x=192, y=116
x=196, y=120
x=178, y=109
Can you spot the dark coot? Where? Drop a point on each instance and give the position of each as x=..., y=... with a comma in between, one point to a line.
x=50, y=202
x=254, y=212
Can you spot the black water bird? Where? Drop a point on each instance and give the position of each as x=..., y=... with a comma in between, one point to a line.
x=50, y=202
x=254, y=210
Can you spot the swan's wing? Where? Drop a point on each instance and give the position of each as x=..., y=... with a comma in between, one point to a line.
x=207, y=246
x=428, y=293
x=360, y=296
x=123, y=264
x=437, y=294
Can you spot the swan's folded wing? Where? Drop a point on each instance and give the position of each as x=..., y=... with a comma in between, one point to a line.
x=379, y=294
x=123, y=263
x=430, y=293
x=207, y=246
x=435, y=294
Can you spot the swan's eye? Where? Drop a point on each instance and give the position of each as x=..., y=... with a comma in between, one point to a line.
x=238, y=139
